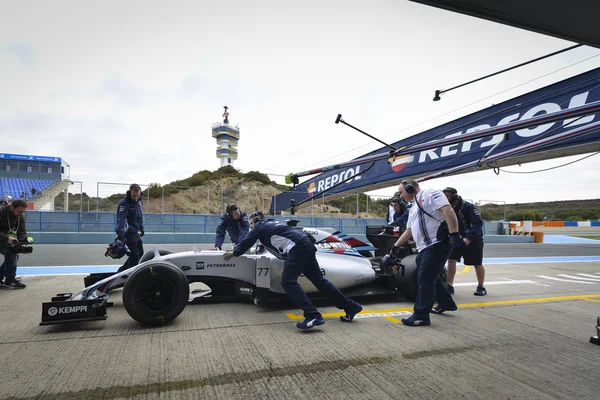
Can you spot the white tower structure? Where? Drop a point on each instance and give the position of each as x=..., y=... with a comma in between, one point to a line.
x=227, y=137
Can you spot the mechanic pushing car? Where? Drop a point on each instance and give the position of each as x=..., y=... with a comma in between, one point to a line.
x=130, y=225
x=299, y=252
x=13, y=239
x=434, y=226
x=235, y=223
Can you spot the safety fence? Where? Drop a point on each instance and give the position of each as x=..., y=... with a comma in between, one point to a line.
x=515, y=224
x=105, y=222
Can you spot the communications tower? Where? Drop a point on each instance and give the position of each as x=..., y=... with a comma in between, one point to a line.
x=227, y=137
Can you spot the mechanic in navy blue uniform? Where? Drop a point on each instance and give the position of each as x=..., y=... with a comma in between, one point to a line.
x=401, y=213
x=393, y=211
x=235, y=223
x=130, y=225
x=434, y=227
x=471, y=248
x=299, y=252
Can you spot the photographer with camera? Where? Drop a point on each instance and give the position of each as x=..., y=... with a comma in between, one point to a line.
x=13, y=240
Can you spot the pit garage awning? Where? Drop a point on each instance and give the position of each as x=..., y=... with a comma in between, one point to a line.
x=573, y=20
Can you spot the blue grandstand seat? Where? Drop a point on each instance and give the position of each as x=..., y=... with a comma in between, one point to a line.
x=15, y=187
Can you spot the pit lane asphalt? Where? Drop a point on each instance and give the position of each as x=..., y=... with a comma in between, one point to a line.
x=529, y=338
x=82, y=254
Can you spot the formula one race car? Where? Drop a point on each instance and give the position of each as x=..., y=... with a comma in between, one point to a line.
x=157, y=290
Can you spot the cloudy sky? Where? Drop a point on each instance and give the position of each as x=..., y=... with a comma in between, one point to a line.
x=128, y=91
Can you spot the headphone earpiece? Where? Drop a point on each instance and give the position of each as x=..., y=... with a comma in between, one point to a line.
x=256, y=217
x=408, y=187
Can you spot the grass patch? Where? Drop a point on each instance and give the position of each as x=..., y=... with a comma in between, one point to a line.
x=591, y=237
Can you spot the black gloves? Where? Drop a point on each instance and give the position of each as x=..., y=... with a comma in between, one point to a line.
x=141, y=232
x=120, y=236
x=455, y=239
x=394, y=251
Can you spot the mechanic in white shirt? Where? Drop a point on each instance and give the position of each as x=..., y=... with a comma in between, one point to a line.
x=434, y=227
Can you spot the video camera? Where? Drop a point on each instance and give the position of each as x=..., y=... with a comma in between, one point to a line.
x=21, y=247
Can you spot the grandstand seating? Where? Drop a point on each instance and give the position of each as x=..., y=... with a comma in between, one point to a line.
x=15, y=187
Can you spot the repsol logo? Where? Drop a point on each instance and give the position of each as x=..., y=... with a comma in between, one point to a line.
x=351, y=174
x=546, y=108
x=52, y=311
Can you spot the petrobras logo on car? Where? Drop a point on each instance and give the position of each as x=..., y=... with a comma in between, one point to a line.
x=224, y=265
x=52, y=311
x=400, y=162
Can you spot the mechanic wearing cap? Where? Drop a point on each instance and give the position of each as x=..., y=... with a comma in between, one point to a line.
x=434, y=228
x=299, y=252
x=400, y=213
x=235, y=223
x=471, y=247
x=392, y=211
x=130, y=225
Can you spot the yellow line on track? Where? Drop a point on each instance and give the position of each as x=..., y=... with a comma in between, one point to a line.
x=392, y=319
x=465, y=270
x=589, y=297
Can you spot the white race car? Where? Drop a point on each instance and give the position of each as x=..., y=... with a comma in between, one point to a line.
x=157, y=289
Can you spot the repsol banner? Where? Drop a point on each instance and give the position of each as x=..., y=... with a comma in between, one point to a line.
x=570, y=93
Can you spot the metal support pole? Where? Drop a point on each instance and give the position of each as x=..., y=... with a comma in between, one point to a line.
x=162, y=209
x=357, y=210
x=367, y=204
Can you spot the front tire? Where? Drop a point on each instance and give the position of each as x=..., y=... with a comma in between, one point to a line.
x=156, y=294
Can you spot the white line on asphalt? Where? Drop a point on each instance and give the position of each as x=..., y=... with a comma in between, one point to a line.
x=531, y=283
x=493, y=283
x=564, y=280
x=591, y=276
x=596, y=279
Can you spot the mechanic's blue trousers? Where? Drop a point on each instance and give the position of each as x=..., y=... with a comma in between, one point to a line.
x=302, y=260
x=431, y=263
x=8, y=269
x=136, y=248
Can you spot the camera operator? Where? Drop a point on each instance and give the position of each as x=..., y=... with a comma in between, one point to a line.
x=13, y=236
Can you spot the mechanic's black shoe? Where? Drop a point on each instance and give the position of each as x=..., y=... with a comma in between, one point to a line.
x=413, y=321
x=480, y=291
x=439, y=310
x=351, y=314
x=309, y=323
x=13, y=284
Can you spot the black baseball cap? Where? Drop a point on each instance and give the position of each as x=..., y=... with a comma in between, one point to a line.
x=451, y=190
x=134, y=185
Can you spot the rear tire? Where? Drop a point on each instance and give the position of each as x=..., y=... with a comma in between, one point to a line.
x=156, y=294
x=408, y=285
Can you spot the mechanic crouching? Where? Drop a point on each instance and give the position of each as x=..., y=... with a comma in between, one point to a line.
x=13, y=234
x=130, y=225
x=235, y=223
x=299, y=252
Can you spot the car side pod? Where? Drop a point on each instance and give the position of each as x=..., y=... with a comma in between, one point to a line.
x=61, y=310
x=596, y=339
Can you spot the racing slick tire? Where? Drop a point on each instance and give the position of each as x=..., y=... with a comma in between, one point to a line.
x=150, y=255
x=408, y=284
x=156, y=294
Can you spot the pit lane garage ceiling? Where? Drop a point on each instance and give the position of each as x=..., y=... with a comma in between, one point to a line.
x=573, y=20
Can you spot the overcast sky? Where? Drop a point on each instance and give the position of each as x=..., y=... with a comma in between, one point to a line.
x=128, y=91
